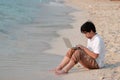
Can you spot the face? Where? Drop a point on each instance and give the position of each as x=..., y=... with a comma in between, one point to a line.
x=89, y=35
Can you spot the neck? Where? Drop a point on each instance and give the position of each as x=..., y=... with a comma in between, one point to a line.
x=93, y=34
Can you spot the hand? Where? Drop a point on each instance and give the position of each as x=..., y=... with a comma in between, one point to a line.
x=80, y=46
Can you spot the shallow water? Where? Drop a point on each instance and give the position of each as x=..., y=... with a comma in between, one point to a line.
x=26, y=29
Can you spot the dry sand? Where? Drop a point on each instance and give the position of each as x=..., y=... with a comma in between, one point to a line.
x=106, y=16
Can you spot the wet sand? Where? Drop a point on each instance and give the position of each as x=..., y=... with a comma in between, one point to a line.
x=105, y=14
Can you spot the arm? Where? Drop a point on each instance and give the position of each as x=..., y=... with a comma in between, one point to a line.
x=90, y=53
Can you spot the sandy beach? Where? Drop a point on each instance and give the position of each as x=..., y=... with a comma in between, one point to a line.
x=105, y=14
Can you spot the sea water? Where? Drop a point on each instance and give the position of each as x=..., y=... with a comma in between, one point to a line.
x=26, y=29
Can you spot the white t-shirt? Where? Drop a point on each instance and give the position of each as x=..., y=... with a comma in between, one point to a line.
x=96, y=44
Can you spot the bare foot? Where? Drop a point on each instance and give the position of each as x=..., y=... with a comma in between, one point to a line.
x=56, y=69
x=60, y=72
x=53, y=70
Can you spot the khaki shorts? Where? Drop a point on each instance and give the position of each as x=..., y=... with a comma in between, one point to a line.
x=79, y=55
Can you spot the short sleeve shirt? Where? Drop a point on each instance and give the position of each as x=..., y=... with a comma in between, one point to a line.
x=96, y=44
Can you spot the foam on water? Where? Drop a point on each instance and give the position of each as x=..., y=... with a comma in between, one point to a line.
x=26, y=29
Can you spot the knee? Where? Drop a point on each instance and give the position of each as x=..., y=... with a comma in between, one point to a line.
x=77, y=52
x=76, y=56
x=70, y=50
x=70, y=53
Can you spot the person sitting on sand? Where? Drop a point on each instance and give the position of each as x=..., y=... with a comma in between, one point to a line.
x=91, y=57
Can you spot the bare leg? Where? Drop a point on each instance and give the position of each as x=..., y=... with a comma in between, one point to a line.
x=63, y=63
x=65, y=60
x=66, y=68
x=69, y=66
x=71, y=63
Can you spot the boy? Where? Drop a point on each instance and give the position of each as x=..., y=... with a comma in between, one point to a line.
x=91, y=57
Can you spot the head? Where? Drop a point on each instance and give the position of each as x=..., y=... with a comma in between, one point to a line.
x=88, y=28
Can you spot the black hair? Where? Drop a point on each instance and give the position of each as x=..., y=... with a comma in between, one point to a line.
x=87, y=27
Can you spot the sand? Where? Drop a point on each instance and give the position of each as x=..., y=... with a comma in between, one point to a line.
x=106, y=16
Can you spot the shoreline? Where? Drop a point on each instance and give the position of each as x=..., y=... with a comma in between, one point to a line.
x=58, y=44
x=105, y=15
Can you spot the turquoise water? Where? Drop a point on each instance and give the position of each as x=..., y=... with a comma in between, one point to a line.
x=15, y=12
x=17, y=15
x=26, y=29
